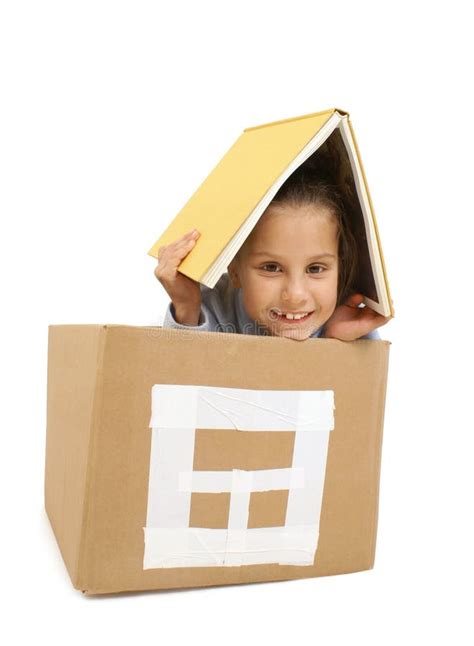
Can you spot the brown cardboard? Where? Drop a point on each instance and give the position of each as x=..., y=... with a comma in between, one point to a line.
x=98, y=447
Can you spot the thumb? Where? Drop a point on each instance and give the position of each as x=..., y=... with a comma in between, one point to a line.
x=354, y=300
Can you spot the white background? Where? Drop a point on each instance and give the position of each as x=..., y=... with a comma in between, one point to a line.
x=112, y=113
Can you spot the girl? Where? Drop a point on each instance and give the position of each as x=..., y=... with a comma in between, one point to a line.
x=291, y=278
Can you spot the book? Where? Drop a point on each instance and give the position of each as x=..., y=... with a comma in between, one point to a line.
x=228, y=204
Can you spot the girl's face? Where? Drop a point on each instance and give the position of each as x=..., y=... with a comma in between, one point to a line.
x=289, y=264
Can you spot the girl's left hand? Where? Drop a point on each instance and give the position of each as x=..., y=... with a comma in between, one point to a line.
x=349, y=322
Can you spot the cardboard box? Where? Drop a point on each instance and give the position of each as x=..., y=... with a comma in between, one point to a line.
x=179, y=459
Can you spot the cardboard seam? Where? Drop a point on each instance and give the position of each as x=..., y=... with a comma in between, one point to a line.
x=96, y=416
x=247, y=338
x=378, y=460
x=240, y=338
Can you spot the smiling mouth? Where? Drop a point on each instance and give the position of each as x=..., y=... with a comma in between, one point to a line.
x=290, y=317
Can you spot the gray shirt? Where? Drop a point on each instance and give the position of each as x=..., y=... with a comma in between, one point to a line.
x=222, y=310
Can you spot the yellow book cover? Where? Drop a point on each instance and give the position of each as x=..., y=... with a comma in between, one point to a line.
x=229, y=202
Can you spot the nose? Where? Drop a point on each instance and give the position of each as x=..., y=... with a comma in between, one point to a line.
x=294, y=292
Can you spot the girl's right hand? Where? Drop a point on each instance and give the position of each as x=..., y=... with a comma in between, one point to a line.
x=184, y=292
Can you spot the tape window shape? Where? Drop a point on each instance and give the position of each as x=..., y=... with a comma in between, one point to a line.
x=177, y=411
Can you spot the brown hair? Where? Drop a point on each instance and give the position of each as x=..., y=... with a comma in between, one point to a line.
x=313, y=183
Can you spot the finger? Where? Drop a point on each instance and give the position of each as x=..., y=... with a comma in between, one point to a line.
x=181, y=250
x=380, y=318
x=186, y=242
x=176, y=251
x=166, y=271
x=376, y=320
x=194, y=233
x=182, y=243
x=354, y=300
x=368, y=314
x=191, y=235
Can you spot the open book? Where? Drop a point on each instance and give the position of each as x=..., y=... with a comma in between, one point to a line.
x=228, y=204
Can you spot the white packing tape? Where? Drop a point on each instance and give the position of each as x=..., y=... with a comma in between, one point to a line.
x=220, y=481
x=177, y=411
x=202, y=547
x=246, y=410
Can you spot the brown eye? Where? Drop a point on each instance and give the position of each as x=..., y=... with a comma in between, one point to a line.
x=319, y=269
x=270, y=266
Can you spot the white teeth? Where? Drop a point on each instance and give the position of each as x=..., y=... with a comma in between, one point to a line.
x=292, y=316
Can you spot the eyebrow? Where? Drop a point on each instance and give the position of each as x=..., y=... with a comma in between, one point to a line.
x=266, y=253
